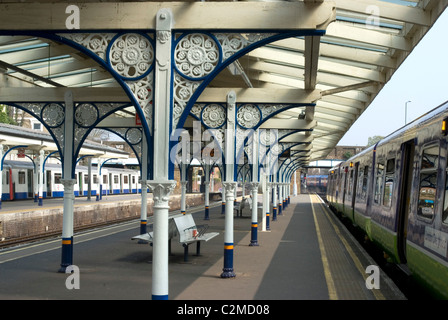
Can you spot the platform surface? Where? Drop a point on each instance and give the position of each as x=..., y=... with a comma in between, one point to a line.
x=307, y=255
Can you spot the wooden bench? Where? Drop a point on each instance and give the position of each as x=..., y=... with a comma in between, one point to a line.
x=190, y=233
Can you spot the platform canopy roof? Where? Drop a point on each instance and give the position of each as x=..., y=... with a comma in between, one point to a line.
x=342, y=71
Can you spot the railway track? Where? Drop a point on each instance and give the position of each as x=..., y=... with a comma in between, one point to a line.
x=7, y=243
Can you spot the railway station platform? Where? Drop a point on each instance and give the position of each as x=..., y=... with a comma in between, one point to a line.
x=307, y=255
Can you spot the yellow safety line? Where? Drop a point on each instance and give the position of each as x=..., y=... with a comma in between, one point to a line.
x=328, y=277
x=378, y=295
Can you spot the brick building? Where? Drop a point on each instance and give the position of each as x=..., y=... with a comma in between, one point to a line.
x=344, y=152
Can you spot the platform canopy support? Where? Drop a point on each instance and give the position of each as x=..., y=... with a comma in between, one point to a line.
x=68, y=181
x=230, y=186
x=184, y=164
x=254, y=154
x=207, y=190
x=160, y=184
x=41, y=177
x=183, y=160
x=144, y=192
x=164, y=55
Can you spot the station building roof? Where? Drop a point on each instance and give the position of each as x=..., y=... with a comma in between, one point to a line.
x=34, y=140
x=341, y=71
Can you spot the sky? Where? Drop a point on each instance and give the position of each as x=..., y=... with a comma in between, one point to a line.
x=422, y=79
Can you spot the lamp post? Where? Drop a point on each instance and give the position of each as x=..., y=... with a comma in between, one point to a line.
x=406, y=112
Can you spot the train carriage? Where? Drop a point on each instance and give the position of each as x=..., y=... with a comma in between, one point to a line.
x=19, y=181
x=21, y=176
x=362, y=169
x=397, y=193
x=317, y=183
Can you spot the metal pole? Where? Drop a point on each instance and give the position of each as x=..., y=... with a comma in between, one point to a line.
x=406, y=112
x=160, y=185
x=230, y=186
x=68, y=182
x=254, y=226
x=207, y=191
x=254, y=189
x=207, y=200
x=144, y=192
x=185, y=158
x=41, y=177
x=99, y=182
x=295, y=184
x=183, y=197
x=1, y=175
x=265, y=212
x=223, y=196
x=89, y=175
x=274, y=198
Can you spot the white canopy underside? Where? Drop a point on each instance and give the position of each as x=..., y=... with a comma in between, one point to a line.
x=342, y=71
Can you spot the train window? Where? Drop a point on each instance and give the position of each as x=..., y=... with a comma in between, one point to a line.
x=445, y=201
x=428, y=182
x=95, y=179
x=390, y=166
x=365, y=177
x=86, y=179
x=389, y=183
x=430, y=158
x=21, y=177
x=115, y=179
x=379, y=181
x=125, y=179
x=57, y=178
x=350, y=183
x=387, y=197
x=359, y=187
x=104, y=179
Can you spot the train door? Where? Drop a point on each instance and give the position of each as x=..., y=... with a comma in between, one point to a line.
x=49, y=185
x=30, y=176
x=407, y=156
x=80, y=184
x=355, y=184
x=344, y=188
x=111, y=186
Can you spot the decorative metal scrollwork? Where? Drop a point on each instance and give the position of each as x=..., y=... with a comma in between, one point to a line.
x=268, y=137
x=131, y=55
x=86, y=115
x=233, y=42
x=134, y=135
x=213, y=115
x=53, y=114
x=196, y=55
x=248, y=116
x=95, y=42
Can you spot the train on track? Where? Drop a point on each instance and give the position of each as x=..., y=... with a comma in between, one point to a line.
x=20, y=181
x=316, y=183
x=396, y=192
